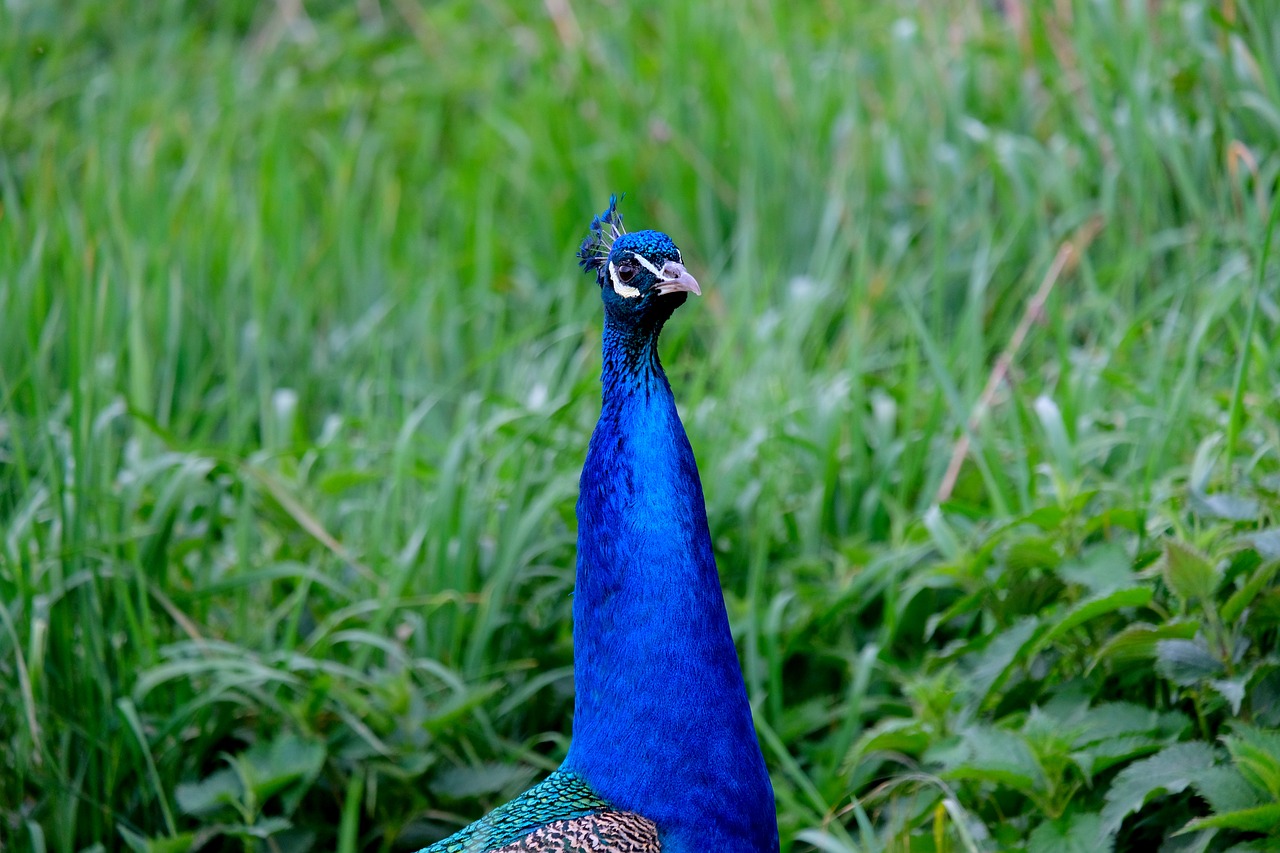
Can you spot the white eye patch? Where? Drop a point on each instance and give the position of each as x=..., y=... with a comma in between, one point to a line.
x=621, y=289
x=644, y=262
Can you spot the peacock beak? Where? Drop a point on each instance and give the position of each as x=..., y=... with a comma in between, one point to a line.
x=676, y=279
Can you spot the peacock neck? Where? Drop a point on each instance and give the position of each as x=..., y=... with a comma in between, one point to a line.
x=629, y=363
x=662, y=725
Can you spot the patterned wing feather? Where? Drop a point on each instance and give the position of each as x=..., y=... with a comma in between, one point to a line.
x=561, y=798
x=606, y=832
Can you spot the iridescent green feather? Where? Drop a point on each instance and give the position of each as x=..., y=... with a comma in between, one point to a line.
x=561, y=796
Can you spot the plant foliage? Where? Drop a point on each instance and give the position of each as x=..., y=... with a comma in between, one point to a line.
x=297, y=373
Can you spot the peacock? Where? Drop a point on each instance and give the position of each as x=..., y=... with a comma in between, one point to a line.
x=664, y=755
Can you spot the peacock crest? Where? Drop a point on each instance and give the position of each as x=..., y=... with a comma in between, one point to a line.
x=593, y=254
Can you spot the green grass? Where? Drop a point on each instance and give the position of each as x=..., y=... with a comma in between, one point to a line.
x=297, y=373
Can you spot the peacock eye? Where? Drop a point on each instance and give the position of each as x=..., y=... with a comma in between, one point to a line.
x=626, y=272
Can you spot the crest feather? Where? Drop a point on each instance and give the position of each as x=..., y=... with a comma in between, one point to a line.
x=605, y=228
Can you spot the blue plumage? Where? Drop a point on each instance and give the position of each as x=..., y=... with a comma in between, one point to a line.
x=662, y=728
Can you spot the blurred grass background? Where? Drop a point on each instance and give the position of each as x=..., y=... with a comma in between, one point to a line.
x=297, y=373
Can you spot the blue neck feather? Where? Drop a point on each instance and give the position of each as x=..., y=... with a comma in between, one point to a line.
x=661, y=724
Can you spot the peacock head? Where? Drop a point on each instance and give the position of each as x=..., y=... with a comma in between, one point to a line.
x=641, y=274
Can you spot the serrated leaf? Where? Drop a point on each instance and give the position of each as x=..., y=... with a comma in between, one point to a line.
x=993, y=663
x=1187, y=571
x=1258, y=819
x=1121, y=719
x=1098, y=757
x=1069, y=708
x=1256, y=753
x=1225, y=789
x=1107, y=734
x=1186, y=662
x=1231, y=689
x=1169, y=771
x=995, y=755
x=1092, y=608
x=1139, y=641
x=1075, y=833
x=895, y=734
x=1101, y=569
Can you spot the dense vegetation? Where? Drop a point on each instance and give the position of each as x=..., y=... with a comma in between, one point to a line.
x=297, y=373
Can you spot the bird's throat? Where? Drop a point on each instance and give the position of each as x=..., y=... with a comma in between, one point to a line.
x=630, y=361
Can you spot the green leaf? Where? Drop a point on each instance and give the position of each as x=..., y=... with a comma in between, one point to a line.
x=1055, y=429
x=992, y=664
x=219, y=789
x=1258, y=845
x=1100, y=569
x=1244, y=596
x=262, y=828
x=1231, y=689
x=1092, y=608
x=894, y=734
x=179, y=843
x=1186, y=662
x=1264, y=696
x=1139, y=641
x=459, y=705
x=1225, y=506
x=1257, y=819
x=1073, y=833
x=1110, y=733
x=1110, y=720
x=1267, y=543
x=940, y=532
x=992, y=754
x=269, y=767
x=1226, y=789
x=1100, y=756
x=1169, y=771
x=1032, y=552
x=1198, y=842
x=1256, y=752
x=1188, y=571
